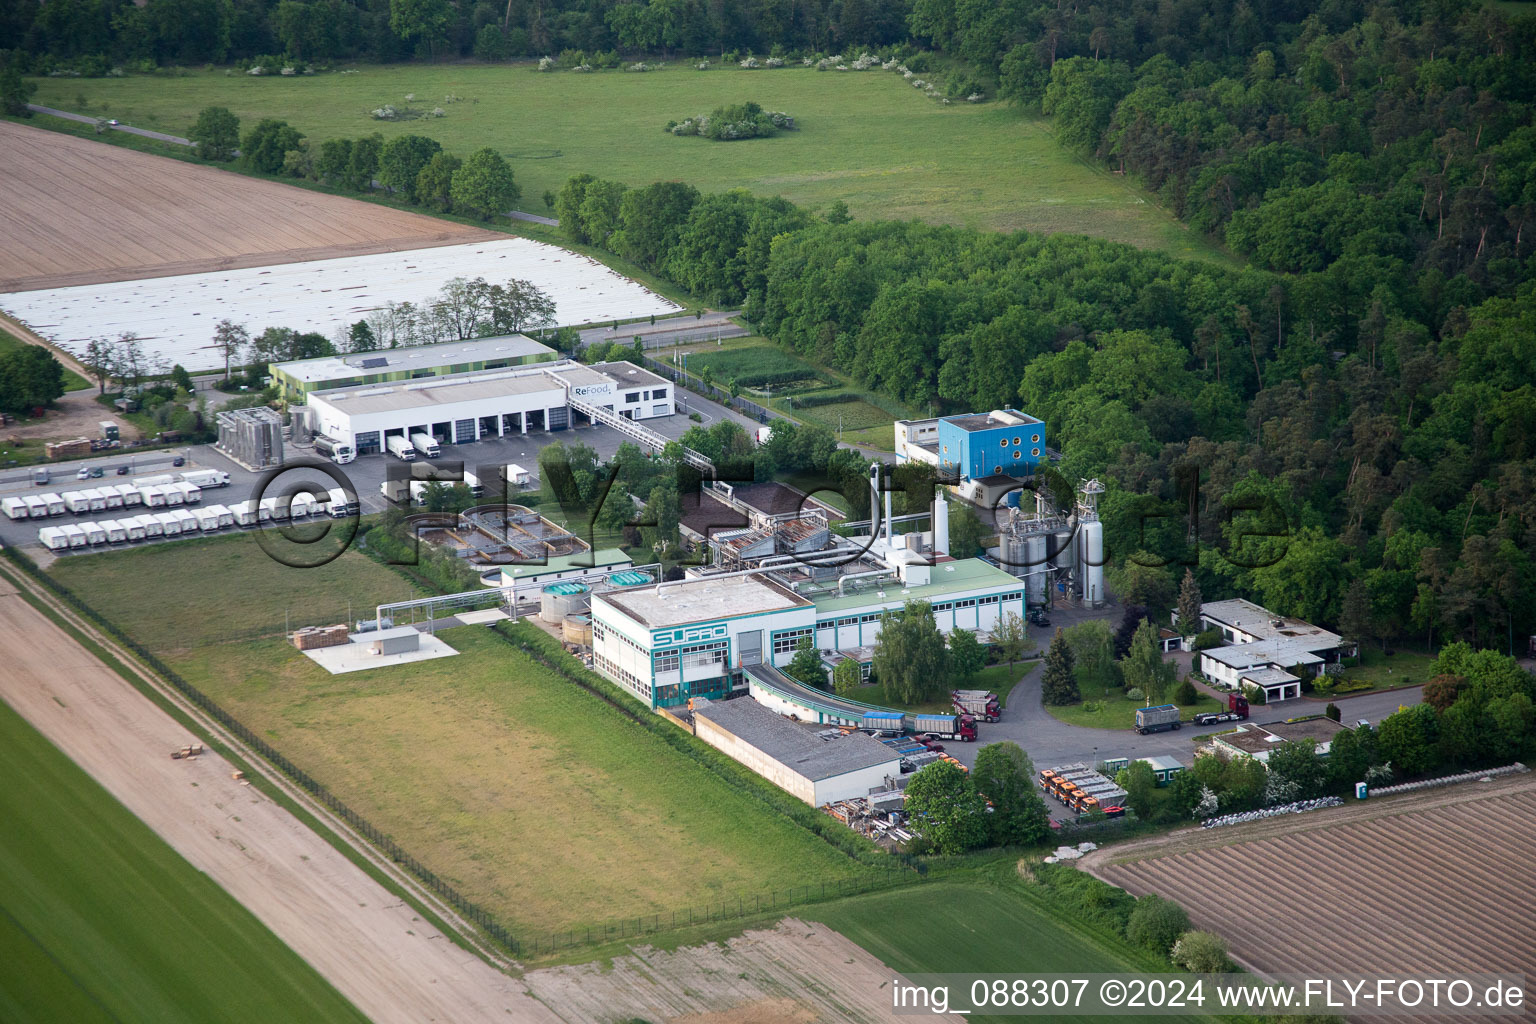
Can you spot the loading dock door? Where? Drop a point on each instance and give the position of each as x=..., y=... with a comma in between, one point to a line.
x=366, y=442
x=558, y=418
x=464, y=432
x=751, y=647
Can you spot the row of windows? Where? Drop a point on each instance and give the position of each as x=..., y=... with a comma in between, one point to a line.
x=619, y=675
x=697, y=656
x=1002, y=442
x=785, y=643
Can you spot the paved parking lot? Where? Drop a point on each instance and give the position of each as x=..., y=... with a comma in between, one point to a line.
x=365, y=476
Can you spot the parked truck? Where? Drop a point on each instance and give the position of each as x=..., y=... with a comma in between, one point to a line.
x=982, y=704
x=1237, y=711
x=426, y=444
x=77, y=502
x=401, y=449
x=339, y=452
x=1157, y=719
x=945, y=727
x=153, y=481
x=339, y=506
x=15, y=508
x=205, y=478
x=56, y=504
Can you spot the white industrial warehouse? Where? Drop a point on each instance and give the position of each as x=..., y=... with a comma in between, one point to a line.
x=818, y=767
x=462, y=408
x=175, y=316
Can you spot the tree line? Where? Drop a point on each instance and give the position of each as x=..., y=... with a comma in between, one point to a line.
x=30, y=378
x=413, y=168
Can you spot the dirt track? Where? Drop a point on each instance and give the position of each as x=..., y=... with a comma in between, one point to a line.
x=83, y=212
x=365, y=941
x=370, y=945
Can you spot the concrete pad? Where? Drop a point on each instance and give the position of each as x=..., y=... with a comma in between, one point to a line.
x=482, y=616
x=355, y=656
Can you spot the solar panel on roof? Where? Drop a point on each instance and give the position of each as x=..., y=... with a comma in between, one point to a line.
x=373, y=362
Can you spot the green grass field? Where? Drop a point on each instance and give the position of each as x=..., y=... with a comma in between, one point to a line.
x=531, y=796
x=747, y=360
x=1107, y=708
x=254, y=595
x=955, y=928
x=100, y=920
x=72, y=380
x=1403, y=668
x=866, y=138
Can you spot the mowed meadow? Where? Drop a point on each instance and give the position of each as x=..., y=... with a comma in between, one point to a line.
x=533, y=797
x=866, y=138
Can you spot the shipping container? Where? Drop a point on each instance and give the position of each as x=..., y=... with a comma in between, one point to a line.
x=172, y=495
x=15, y=508
x=153, y=495
x=75, y=534
x=130, y=493
x=116, y=532
x=225, y=513
x=97, y=500
x=152, y=527
x=134, y=528
x=56, y=504
x=187, y=519
x=207, y=519
x=77, y=502
x=53, y=538
x=113, y=497
x=94, y=534
x=170, y=525
x=244, y=513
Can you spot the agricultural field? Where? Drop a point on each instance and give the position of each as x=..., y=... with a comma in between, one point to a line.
x=78, y=212
x=535, y=799
x=966, y=928
x=175, y=315
x=865, y=138
x=1424, y=885
x=100, y=920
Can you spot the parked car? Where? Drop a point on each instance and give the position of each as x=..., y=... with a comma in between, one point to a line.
x=122, y=470
x=178, y=461
x=96, y=471
x=1038, y=618
x=84, y=473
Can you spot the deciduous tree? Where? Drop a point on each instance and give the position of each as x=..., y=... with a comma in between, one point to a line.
x=485, y=185
x=216, y=134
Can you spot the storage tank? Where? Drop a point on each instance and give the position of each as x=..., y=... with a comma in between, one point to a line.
x=561, y=599
x=1035, y=580
x=1090, y=571
x=941, y=526
x=578, y=630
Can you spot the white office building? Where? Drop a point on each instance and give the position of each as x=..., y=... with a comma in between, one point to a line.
x=463, y=408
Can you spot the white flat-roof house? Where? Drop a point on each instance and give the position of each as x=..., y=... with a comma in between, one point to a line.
x=1266, y=653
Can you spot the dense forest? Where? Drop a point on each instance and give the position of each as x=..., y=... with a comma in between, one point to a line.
x=1388, y=429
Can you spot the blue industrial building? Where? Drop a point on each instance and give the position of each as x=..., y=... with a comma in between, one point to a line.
x=1000, y=443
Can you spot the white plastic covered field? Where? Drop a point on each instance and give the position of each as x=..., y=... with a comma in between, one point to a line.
x=175, y=316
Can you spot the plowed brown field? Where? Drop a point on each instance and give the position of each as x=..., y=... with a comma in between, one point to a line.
x=1423, y=885
x=82, y=212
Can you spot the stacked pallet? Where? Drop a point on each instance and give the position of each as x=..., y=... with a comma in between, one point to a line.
x=312, y=638
x=78, y=446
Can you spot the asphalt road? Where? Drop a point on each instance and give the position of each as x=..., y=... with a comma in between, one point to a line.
x=88, y=119
x=671, y=331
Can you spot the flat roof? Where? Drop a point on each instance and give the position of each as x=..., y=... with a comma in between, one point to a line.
x=988, y=420
x=1164, y=763
x=578, y=374
x=454, y=388
x=1264, y=652
x=630, y=375
x=796, y=747
x=1255, y=739
x=1269, y=676
x=702, y=600
x=416, y=357
x=1262, y=623
x=947, y=578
